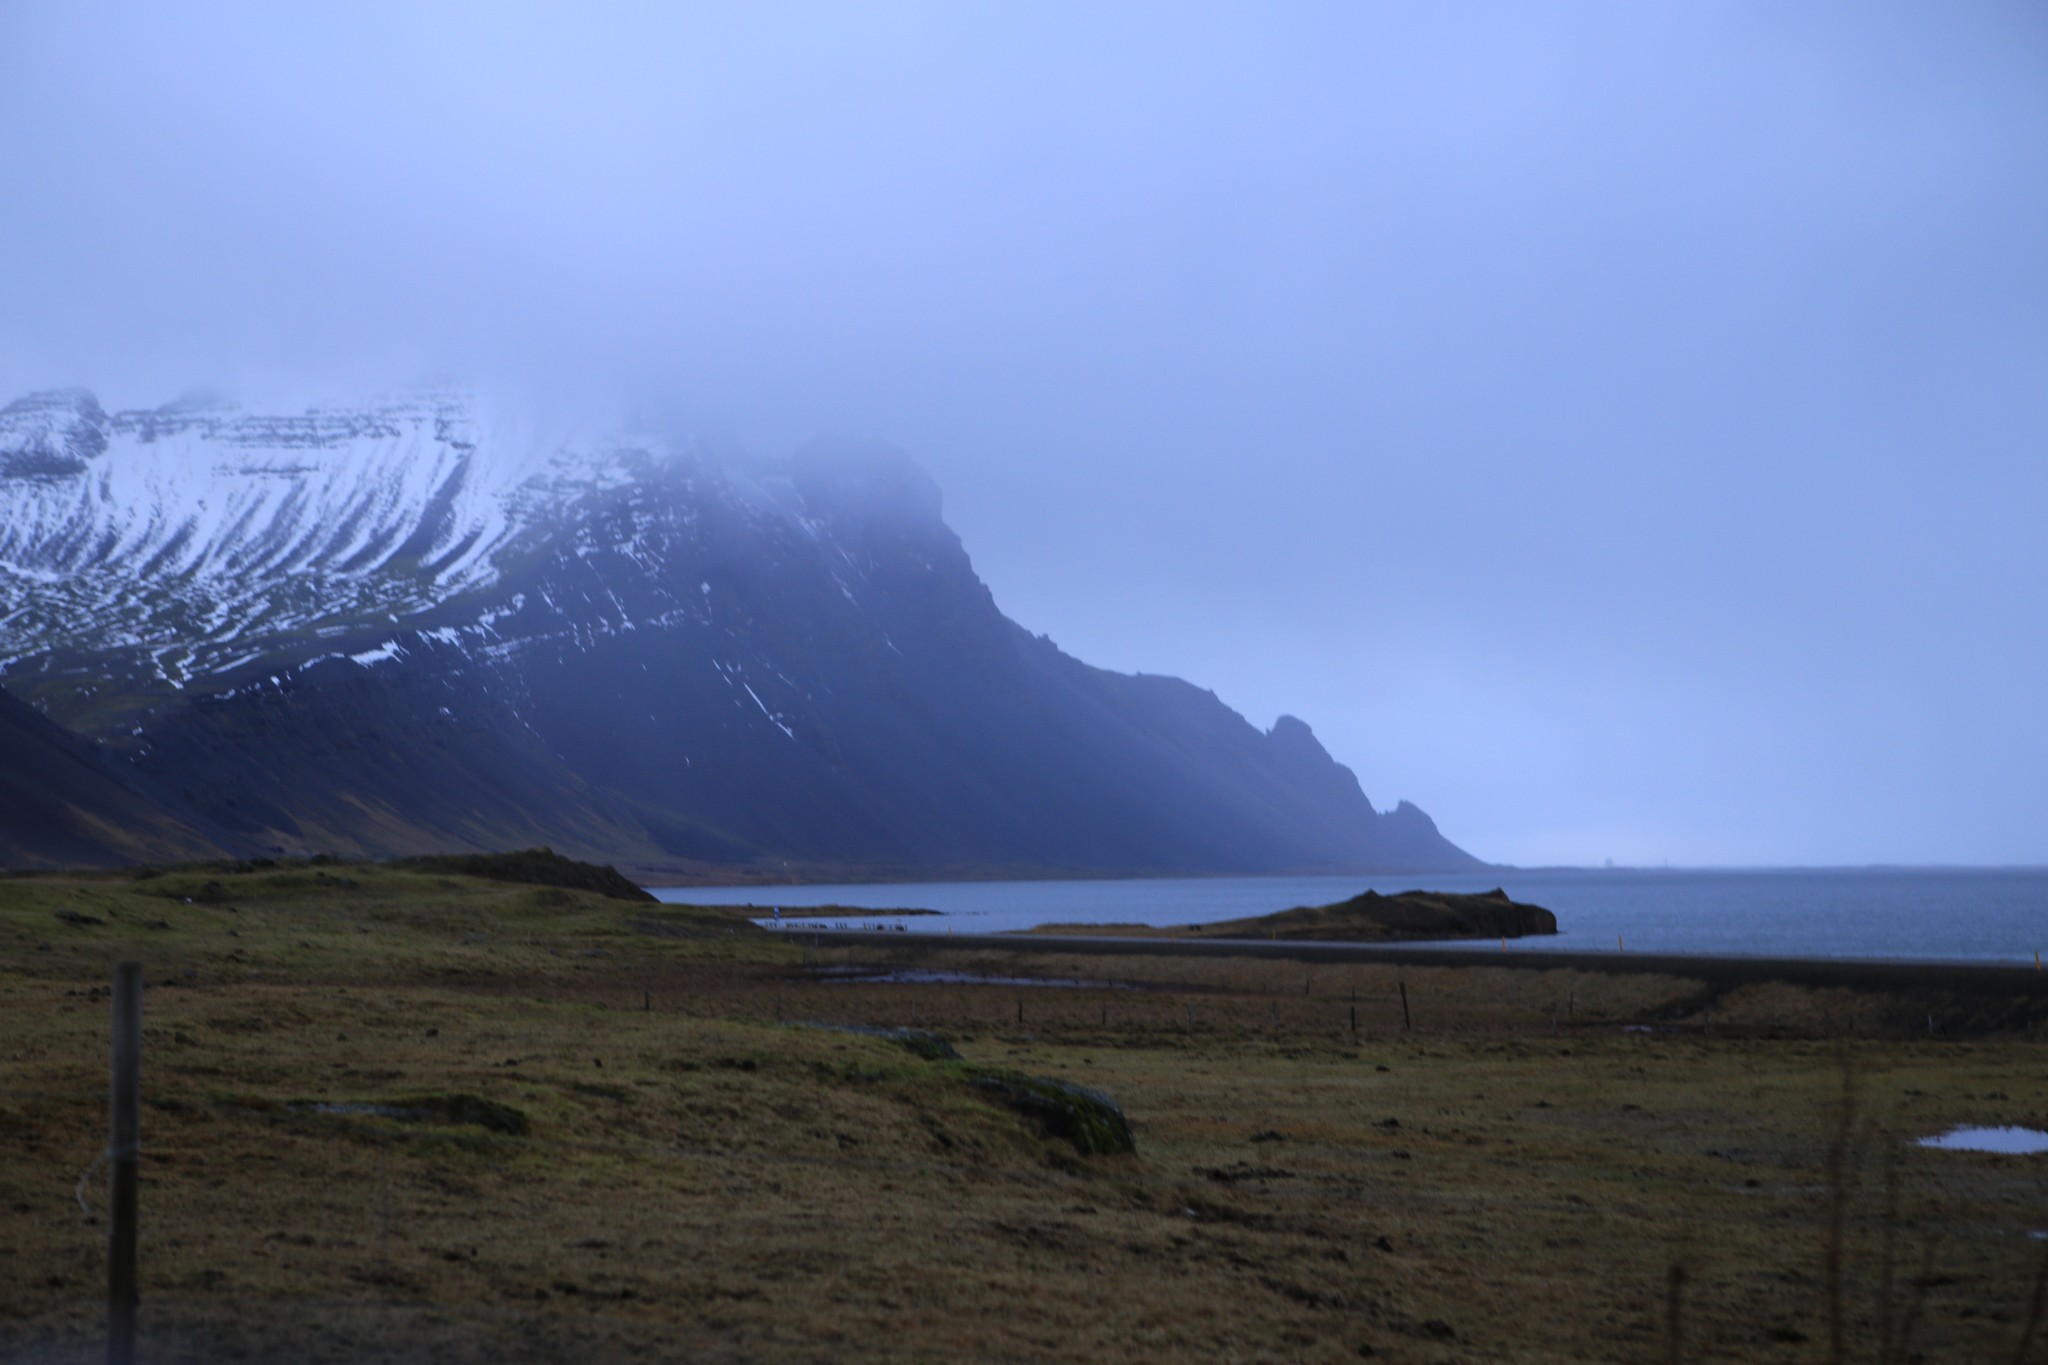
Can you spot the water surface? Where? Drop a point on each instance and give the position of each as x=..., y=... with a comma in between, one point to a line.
x=1965, y=915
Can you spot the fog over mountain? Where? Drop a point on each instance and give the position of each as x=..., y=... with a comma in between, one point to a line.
x=415, y=623
x=1617, y=429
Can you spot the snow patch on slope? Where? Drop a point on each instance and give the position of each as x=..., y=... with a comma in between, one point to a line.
x=196, y=526
x=164, y=548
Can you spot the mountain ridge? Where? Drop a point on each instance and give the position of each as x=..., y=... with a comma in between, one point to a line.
x=415, y=627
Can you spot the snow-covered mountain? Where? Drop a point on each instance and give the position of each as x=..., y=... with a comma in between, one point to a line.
x=414, y=623
x=198, y=537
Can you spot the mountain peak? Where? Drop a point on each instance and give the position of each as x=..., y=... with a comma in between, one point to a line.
x=54, y=434
x=1294, y=733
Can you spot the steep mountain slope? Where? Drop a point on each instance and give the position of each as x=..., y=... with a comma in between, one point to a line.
x=401, y=627
x=62, y=806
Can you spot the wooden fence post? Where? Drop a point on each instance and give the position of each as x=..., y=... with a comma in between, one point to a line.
x=123, y=1147
x=1406, y=1022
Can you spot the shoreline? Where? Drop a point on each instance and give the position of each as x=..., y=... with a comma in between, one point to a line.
x=671, y=877
x=1718, y=969
x=654, y=878
x=1990, y=917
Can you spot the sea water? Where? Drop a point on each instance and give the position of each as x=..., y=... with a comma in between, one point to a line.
x=1962, y=915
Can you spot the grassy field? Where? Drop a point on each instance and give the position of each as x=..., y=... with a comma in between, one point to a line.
x=398, y=1116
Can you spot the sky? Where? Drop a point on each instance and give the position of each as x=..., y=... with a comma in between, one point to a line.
x=1620, y=429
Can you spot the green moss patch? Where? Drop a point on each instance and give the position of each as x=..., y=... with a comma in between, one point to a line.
x=1089, y=1119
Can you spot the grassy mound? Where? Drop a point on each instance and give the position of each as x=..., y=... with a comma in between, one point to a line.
x=1087, y=1118
x=530, y=867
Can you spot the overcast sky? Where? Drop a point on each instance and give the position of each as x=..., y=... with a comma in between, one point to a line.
x=1620, y=429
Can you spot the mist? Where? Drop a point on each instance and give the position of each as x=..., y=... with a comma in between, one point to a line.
x=1621, y=430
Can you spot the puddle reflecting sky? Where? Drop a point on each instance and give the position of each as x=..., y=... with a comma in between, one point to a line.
x=2011, y=1141
x=916, y=977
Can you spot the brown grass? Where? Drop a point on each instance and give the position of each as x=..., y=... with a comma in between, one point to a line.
x=700, y=1182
